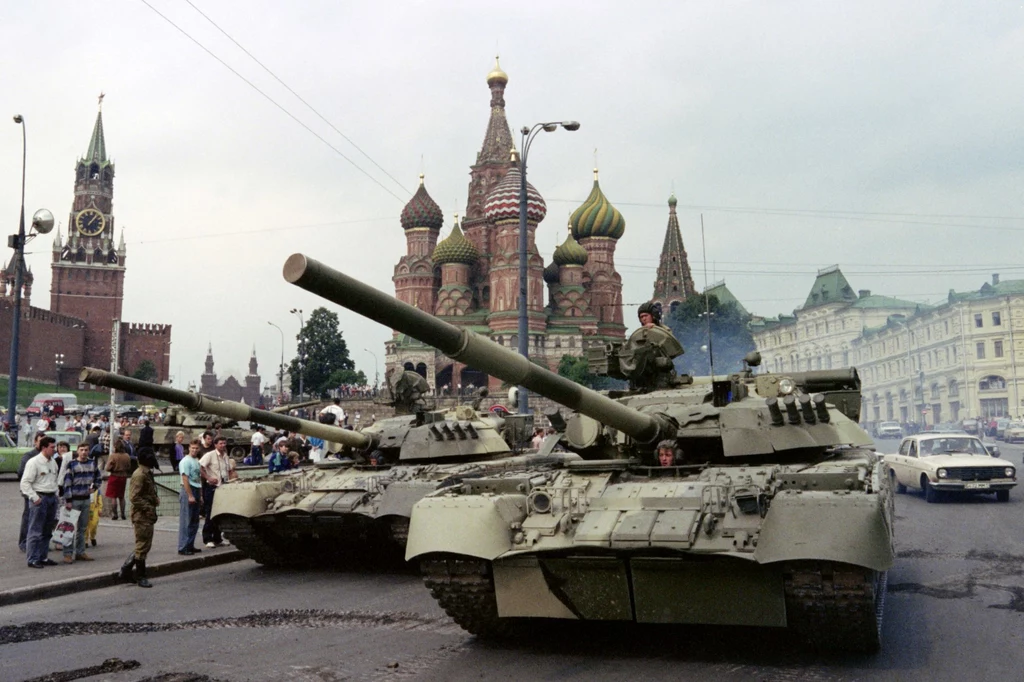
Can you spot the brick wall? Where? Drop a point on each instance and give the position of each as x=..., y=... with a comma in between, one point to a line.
x=43, y=334
x=146, y=342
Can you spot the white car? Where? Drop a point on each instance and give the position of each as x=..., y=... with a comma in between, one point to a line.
x=1014, y=433
x=949, y=462
x=888, y=430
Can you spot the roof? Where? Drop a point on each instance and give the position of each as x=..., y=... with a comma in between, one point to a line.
x=722, y=293
x=876, y=301
x=830, y=286
x=988, y=290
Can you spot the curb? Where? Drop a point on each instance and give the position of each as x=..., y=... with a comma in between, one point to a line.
x=22, y=595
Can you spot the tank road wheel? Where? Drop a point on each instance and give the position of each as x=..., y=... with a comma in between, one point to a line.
x=895, y=484
x=237, y=452
x=464, y=588
x=836, y=607
x=930, y=493
x=249, y=541
x=1002, y=496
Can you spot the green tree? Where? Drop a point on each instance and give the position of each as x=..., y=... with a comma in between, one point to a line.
x=146, y=371
x=730, y=337
x=326, y=353
x=346, y=377
x=577, y=370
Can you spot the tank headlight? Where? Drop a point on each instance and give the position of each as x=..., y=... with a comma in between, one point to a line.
x=786, y=386
x=540, y=502
x=1009, y=471
x=941, y=473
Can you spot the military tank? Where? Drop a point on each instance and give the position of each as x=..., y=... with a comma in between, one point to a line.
x=193, y=424
x=362, y=501
x=773, y=511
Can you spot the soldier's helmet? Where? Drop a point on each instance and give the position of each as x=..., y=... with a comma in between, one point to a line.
x=652, y=308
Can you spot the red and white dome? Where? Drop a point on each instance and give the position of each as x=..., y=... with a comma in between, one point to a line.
x=502, y=204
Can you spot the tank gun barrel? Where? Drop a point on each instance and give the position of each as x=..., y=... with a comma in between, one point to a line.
x=470, y=348
x=281, y=409
x=226, y=408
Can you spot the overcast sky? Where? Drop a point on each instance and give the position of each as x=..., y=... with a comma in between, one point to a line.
x=881, y=136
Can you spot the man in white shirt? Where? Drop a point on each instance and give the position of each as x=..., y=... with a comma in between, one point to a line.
x=39, y=485
x=215, y=470
x=257, y=441
x=43, y=424
x=337, y=411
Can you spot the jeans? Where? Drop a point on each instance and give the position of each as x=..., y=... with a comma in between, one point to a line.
x=42, y=518
x=77, y=547
x=256, y=455
x=211, y=530
x=188, y=518
x=23, y=533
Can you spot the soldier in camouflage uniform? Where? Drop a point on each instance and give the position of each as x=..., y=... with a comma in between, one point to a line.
x=144, y=499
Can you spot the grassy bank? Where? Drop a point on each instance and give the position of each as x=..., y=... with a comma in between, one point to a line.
x=28, y=390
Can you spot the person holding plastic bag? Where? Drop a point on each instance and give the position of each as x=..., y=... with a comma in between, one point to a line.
x=80, y=482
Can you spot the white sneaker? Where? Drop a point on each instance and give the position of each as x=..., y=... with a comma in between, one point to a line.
x=210, y=545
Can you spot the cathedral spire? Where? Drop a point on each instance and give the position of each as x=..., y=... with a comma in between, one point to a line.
x=674, y=283
x=498, y=138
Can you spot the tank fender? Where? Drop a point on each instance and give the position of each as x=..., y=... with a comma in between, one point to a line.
x=828, y=526
x=399, y=497
x=479, y=526
x=245, y=498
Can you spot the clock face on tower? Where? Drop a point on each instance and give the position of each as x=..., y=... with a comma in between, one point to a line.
x=90, y=222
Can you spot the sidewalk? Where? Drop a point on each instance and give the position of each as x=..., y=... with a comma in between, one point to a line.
x=115, y=540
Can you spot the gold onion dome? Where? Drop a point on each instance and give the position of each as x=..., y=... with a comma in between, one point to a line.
x=422, y=211
x=570, y=252
x=597, y=217
x=497, y=74
x=551, y=273
x=502, y=202
x=455, y=248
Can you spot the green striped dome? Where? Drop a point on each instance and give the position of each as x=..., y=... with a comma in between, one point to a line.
x=455, y=248
x=570, y=252
x=597, y=217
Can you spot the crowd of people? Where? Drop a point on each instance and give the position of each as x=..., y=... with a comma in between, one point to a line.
x=50, y=476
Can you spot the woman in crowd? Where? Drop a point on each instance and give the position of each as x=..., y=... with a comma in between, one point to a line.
x=119, y=465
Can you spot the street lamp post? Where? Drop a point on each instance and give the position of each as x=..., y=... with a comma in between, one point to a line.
x=376, y=375
x=529, y=134
x=280, y=368
x=302, y=350
x=42, y=222
x=58, y=360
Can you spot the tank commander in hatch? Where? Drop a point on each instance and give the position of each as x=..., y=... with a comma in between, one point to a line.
x=667, y=453
x=649, y=314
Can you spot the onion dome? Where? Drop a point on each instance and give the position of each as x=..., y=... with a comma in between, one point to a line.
x=672, y=201
x=455, y=248
x=597, y=217
x=422, y=211
x=496, y=74
x=551, y=273
x=502, y=203
x=570, y=252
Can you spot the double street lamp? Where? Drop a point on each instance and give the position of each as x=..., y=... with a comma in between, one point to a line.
x=280, y=368
x=58, y=360
x=529, y=134
x=302, y=349
x=42, y=223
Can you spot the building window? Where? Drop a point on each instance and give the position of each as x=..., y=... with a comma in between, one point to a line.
x=946, y=326
x=997, y=349
x=981, y=350
x=977, y=320
x=997, y=319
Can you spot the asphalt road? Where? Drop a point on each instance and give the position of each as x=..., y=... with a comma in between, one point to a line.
x=955, y=611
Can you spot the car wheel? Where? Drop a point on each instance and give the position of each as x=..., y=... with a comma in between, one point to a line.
x=1002, y=496
x=930, y=493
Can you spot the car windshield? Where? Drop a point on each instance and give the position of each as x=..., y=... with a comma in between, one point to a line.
x=943, y=446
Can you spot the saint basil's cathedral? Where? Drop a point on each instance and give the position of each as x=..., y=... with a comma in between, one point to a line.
x=471, y=278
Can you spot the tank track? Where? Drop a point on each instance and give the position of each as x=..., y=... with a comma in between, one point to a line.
x=465, y=590
x=249, y=541
x=836, y=607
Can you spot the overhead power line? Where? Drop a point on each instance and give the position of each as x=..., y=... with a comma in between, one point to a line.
x=272, y=101
x=297, y=96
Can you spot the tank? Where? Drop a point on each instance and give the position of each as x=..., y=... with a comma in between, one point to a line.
x=193, y=424
x=773, y=510
x=361, y=501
